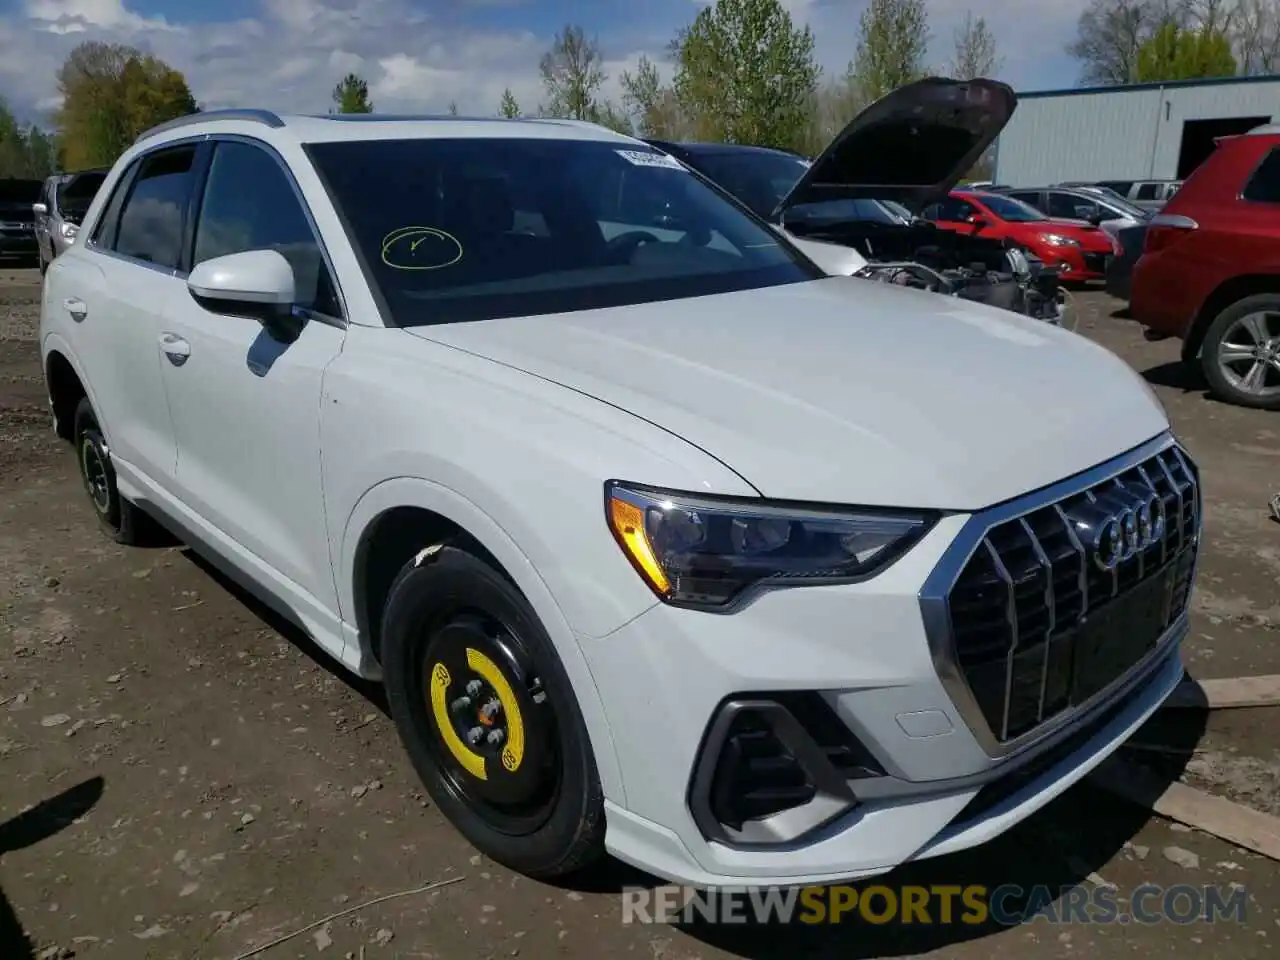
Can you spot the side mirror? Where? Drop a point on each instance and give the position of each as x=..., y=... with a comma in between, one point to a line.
x=40, y=209
x=255, y=283
x=977, y=220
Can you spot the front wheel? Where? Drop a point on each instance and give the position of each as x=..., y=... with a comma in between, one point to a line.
x=488, y=716
x=1241, y=352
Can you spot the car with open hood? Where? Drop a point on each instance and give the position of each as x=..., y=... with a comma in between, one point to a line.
x=846, y=208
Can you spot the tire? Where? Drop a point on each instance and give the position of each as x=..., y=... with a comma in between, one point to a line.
x=120, y=520
x=532, y=799
x=1253, y=322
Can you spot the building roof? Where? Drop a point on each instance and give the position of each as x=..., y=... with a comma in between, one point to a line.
x=1167, y=85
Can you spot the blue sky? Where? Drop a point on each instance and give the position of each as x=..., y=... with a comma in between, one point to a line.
x=418, y=55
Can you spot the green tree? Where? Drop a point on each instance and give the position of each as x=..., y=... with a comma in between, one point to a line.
x=351, y=95
x=110, y=94
x=509, y=108
x=652, y=102
x=1174, y=53
x=572, y=73
x=893, y=39
x=745, y=74
x=608, y=115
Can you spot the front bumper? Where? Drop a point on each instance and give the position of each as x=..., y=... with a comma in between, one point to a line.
x=917, y=774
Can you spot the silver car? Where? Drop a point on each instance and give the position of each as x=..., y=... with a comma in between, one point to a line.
x=63, y=202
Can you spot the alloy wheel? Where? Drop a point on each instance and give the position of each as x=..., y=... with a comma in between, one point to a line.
x=1249, y=354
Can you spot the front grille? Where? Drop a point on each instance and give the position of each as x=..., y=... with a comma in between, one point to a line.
x=1095, y=262
x=1038, y=628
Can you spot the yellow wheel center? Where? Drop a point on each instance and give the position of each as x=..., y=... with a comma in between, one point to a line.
x=475, y=763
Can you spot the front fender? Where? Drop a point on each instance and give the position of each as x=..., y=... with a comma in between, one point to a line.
x=424, y=494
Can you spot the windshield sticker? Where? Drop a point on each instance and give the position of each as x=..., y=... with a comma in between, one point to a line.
x=641, y=158
x=420, y=248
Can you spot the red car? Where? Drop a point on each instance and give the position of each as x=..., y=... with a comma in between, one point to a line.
x=1078, y=249
x=1210, y=270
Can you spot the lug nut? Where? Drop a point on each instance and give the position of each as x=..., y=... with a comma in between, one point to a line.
x=496, y=737
x=460, y=704
x=490, y=709
x=475, y=735
x=473, y=688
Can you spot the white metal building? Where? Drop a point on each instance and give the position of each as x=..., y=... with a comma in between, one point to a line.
x=1150, y=131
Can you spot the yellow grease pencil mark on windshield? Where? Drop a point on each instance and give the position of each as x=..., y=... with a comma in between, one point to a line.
x=400, y=249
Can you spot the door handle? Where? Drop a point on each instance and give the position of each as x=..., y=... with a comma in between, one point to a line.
x=175, y=348
x=76, y=307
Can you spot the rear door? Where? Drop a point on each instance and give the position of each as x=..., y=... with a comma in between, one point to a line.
x=111, y=293
x=246, y=407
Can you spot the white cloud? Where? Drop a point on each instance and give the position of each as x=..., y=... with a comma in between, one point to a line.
x=289, y=55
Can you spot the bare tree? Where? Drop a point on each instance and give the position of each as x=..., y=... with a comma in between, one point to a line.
x=975, y=50
x=572, y=74
x=1109, y=35
x=1255, y=31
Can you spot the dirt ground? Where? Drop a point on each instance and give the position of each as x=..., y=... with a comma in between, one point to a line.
x=181, y=776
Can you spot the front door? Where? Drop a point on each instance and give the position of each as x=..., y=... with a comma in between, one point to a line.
x=246, y=407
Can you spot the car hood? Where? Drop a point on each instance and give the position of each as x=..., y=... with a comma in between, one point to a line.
x=911, y=146
x=844, y=391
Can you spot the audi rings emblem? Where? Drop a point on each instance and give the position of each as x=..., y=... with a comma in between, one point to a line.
x=1128, y=531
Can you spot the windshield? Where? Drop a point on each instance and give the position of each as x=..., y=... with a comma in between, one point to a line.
x=474, y=229
x=1120, y=204
x=858, y=209
x=759, y=178
x=1014, y=211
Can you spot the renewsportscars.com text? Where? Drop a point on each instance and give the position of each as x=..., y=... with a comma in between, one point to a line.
x=972, y=905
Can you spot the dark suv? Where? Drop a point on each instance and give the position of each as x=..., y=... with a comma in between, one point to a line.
x=17, y=220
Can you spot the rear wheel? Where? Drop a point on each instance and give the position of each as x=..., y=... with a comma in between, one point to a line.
x=488, y=716
x=1241, y=352
x=120, y=520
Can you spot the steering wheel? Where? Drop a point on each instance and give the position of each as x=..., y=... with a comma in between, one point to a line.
x=621, y=247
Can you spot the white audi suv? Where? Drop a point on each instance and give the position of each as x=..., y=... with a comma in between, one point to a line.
x=663, y=542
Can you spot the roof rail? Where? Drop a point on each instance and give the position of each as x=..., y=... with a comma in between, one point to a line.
x=255, y=116
x=395, y=117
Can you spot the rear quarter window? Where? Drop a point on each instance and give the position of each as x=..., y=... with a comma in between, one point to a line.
x=1264, y=184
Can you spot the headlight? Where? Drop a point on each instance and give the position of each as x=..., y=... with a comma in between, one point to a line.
x=68, y=231
x=1058, y=240
x=708, y=552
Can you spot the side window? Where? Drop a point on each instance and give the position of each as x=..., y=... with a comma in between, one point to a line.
x=1264, y=185
x=249, y=204
x=152, y=219
x=104, y=231
x=1148, y=191
x=952, y=210
x=1031, y=197
x=1063, y=205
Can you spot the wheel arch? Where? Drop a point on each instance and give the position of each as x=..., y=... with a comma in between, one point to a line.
x=1223, y=296
x=66, y=385
x=400, y=518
